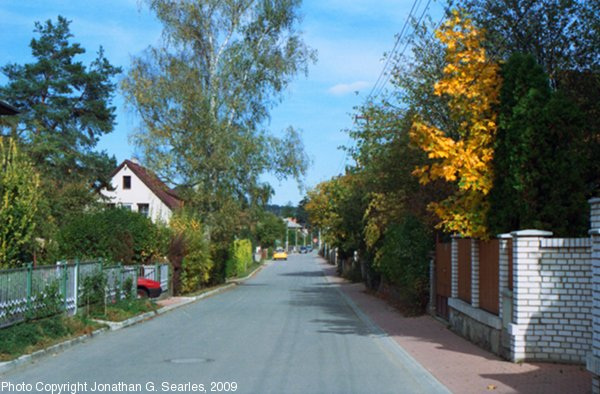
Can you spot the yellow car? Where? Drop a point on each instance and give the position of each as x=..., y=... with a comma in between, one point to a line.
x=280, y=254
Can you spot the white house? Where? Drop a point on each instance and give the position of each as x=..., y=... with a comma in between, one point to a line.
x=140, y=190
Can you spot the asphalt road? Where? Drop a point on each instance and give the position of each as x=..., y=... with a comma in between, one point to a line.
x=287, y=330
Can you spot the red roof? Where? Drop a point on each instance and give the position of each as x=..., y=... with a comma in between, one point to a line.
x=158, y=187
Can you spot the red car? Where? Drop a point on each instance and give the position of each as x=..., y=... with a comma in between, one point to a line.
x=148, y=288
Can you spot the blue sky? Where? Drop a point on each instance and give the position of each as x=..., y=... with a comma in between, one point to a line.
x=350, y=36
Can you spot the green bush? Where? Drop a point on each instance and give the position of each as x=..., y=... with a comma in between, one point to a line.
x=240, y=257
x=403, y=260
x=189, y=253
x=113, y=234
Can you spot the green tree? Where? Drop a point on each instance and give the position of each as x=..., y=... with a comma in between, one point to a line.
x=19, y=196
x=204, y=97
x=538, y=161
x=65, y=109
x=560, y=34
x=269, y=229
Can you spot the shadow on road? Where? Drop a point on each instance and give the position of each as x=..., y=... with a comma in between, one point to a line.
x=340, y=318
x=304, y=273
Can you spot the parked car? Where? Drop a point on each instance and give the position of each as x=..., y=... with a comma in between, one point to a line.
x=148, y=288
x=303, y=249
x=280, y=254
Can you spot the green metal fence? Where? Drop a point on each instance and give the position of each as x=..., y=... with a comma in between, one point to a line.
x=22, y=290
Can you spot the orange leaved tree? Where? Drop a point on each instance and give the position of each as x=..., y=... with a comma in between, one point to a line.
x=471, y=83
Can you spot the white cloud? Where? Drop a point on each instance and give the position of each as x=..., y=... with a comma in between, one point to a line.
x=345, y=88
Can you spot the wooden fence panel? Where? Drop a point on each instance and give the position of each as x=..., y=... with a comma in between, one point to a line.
x=489, y=264
x=443, y=277
x=464, y=269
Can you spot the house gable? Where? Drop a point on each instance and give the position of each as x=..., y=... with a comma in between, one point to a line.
x=140, y=190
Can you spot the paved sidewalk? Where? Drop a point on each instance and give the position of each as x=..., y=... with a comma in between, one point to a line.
x=458, y=364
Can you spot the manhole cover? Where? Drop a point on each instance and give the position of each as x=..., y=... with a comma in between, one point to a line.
x=191, y=360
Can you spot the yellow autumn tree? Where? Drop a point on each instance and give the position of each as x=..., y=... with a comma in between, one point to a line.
x=471, y=82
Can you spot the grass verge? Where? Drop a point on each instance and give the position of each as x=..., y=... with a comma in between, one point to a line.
x=28, y=337
x=249, y=270
x=122, y=310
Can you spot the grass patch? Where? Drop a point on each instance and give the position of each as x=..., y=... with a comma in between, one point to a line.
x=249, y=270
x=123, y=309
x=28, y=337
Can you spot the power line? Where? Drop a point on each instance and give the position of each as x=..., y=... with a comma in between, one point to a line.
x=391, y=55
x=389, y=74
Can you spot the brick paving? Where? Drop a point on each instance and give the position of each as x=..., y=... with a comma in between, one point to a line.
x=458, y=364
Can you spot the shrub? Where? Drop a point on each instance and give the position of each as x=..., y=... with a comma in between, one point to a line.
x=240, y=257
x=189, y=253
x=113, y=234
x=403, y=260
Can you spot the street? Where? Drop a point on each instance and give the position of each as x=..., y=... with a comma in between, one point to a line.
x=287, y=330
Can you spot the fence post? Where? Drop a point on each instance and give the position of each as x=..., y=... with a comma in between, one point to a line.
x=29, y=284
x=157, y=272
x=76, y=285
x=65, y=278
x=119, y=291
x=134, y=284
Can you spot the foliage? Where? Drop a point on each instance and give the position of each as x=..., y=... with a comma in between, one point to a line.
x=337, y=207
x=472, y=83
x=403, y=260
x=19, y=196
x=189, y=253
x=538, y=156
x=560, y=35
x=65, y=109
x=115, y=234
x=48, y=302
x=93, y=290
x=30, y=336
x=240, y=257
x=204, y=97
x=123, y=309
x=269, y=229
x=129, y=289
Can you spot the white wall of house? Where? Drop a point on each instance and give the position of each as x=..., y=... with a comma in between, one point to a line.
x=138, y=194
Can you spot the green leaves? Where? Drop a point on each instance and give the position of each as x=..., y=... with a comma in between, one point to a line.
x=204, y=97
x=19, y=196
x=65, y=109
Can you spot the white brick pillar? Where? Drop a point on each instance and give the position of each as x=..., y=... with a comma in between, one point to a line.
x=503, y=275
x=475, y=273
x=454, y=266
x=593, y=358
x=526, y=286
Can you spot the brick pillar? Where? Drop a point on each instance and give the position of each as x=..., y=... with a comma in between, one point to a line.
x=593, y=358
x=475, y=273
x=454, y=266
x=503, y=275
x=526, y=286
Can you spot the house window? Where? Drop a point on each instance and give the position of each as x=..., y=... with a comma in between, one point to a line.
x=111, y=205
x=144, y=209
x=126, y=182
x=126, y=207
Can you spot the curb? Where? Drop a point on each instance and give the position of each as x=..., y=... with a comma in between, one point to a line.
x=9, y=365
x=114, y=326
